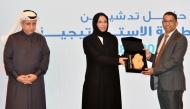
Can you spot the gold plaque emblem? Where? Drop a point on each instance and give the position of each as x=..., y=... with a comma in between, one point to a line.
x=137, y=61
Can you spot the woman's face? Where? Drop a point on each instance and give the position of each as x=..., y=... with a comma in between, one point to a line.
x=102, y=24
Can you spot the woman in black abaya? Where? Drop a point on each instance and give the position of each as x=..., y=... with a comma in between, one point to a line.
x=101, y=88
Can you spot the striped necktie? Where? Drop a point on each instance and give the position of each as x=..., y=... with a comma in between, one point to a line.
x=160, y=52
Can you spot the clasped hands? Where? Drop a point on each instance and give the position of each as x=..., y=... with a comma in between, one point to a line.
x=27, y=79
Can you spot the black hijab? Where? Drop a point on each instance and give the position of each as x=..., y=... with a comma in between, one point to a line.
x=95, y=27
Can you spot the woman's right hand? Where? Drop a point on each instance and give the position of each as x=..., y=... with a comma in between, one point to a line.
x=122, y=60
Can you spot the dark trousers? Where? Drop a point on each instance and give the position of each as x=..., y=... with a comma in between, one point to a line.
x=170, y=99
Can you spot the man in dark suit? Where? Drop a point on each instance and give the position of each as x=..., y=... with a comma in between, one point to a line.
x=167, y=74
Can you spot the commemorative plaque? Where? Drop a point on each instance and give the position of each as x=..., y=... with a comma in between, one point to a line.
x=133, y=50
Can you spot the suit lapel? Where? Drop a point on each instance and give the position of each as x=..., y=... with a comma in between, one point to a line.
x=170, y=40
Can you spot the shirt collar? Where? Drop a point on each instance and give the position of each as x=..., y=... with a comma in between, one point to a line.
x=27, y=36
x=170, y=34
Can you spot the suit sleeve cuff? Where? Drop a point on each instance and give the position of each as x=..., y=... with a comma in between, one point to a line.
x=15, y=74
x=38, y=72
x=155, y=72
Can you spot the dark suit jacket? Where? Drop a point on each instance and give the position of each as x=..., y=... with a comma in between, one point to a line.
x=170, y=70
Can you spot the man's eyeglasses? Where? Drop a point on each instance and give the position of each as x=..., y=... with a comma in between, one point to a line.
x=168, y=21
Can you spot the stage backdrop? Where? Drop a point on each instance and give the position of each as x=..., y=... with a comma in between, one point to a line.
x=66, y=22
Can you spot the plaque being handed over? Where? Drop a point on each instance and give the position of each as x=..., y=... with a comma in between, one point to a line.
x=133, y=50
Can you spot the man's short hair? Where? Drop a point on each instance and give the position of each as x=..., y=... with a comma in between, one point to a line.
x=171, y=13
